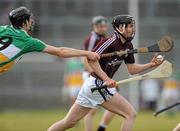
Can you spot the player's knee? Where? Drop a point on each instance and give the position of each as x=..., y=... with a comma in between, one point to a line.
x=131, y=115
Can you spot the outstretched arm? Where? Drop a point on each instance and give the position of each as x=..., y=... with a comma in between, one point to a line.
x=70, y=52
x=138, y=68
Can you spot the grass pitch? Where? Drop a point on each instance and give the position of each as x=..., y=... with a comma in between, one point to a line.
x=40, y=120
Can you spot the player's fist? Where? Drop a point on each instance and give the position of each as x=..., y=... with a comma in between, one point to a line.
x=92, y=56
x=110, y=83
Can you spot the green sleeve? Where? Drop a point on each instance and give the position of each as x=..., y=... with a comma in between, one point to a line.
x=35, y=45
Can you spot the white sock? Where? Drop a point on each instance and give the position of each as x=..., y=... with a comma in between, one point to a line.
x=103, y=125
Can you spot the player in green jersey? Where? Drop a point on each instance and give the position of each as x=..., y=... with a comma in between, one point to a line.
x=15, y=41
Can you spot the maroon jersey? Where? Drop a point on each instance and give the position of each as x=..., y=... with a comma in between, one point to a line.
x=92, y=41
x=111, y=64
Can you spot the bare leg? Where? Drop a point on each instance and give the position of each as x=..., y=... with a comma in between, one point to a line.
x=119, y=105
x=75, y=114
x=107, y=117
x=88, y=120
x=177, y=128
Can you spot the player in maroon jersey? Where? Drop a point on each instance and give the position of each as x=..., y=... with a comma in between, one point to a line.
x=99, y=32
x=103, y=71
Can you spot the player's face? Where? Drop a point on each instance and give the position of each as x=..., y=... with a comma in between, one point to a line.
x=129, y=31
x=29, y=26
x=101, y=29
x=31, y=23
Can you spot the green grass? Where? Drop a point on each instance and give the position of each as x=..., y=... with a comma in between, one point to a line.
x=40, y=120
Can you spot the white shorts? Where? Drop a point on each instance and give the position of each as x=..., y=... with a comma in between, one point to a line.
x=91, y=100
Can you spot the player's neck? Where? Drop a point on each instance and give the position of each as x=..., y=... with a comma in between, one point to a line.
x=122, y=39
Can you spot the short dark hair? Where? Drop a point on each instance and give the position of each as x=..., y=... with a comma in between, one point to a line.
x=122, y=19
x=19, y=16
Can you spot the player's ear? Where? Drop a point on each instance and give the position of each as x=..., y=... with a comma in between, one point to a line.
x=121, y=28
x=27, y=23
x=95, y=28
x=24, y=24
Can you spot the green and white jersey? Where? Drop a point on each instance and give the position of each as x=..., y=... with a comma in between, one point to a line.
x=16, y=42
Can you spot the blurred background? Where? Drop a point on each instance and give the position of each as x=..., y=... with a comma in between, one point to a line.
x=36, y=86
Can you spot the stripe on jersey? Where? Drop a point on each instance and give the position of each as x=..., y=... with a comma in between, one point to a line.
x=106, y=44
x=10, y=51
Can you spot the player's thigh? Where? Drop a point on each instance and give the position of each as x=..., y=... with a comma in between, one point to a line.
x=76, y=113
x=119, y=105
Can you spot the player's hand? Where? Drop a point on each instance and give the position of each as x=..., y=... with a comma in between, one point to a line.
x=92, y=56
x=155, y=61
x=110, y=83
